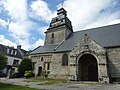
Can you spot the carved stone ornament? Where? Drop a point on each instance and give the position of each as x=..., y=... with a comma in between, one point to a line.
x=87, y=45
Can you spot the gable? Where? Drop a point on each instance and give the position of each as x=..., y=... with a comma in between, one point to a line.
x=87, y=45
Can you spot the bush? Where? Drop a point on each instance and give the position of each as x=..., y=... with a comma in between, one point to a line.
x=25, y=65
x=3, y=61
x=28, y=74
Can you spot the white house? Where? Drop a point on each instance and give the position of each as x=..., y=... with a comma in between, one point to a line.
x=14, y=58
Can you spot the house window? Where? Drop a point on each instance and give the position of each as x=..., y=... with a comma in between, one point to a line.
x=10, y=51
x=14, y=52
x=15, y=62
x=33, y=65
x=65, y=60
x=12, y=71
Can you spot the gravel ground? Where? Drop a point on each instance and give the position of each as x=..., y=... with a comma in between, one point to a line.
x=62, y=86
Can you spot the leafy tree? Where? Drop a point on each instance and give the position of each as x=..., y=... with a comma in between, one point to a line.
x=3, y=61
x=25, y=65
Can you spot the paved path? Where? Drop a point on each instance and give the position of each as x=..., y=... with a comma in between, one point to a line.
x=62, y=86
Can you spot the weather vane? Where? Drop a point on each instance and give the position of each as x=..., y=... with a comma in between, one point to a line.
x=62, y=3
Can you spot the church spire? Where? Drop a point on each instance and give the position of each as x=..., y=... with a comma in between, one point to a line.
x=60, y=28
x=62, y=11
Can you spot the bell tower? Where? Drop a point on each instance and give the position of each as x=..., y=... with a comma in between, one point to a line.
x=60, y=28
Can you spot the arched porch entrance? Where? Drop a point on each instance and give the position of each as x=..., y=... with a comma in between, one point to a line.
x=87, y=68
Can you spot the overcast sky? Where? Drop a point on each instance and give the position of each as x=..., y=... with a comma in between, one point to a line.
x=23, y=22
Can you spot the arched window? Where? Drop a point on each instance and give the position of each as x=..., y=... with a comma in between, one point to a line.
x=65, y=60
x=42, y=59
x=52, y=35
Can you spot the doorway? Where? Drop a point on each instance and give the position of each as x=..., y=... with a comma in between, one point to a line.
x=87, y=68
x=39, y=71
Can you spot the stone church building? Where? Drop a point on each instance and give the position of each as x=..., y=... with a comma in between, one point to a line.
x=87, y=55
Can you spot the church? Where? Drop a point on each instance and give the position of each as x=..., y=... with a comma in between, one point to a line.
x=87, y=55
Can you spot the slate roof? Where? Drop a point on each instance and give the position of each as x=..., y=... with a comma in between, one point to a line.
x=4, y=48
x=44, y=49
x=107, y=36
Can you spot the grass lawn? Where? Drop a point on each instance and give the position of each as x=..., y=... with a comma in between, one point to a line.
x=4, y=86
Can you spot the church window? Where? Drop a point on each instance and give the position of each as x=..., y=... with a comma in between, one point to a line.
x=52, y=35
x=46, y=65
x=65, y=60
x=42, y=59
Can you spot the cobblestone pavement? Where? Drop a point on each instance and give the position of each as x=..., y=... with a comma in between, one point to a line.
x=62, y=86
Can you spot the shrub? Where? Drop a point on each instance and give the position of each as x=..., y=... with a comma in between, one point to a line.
x=25, y=65
x=28, y=74
x=3, y=61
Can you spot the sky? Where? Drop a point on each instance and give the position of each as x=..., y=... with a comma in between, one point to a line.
x=23, y=22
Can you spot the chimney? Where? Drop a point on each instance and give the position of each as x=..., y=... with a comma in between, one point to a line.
x=19, y=47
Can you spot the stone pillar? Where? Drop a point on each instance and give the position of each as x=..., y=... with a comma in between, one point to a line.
x=103, y=75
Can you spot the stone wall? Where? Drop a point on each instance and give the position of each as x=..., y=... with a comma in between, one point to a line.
x=37, y=59
x=57, y=70
x=114, y=62
x=60, y=34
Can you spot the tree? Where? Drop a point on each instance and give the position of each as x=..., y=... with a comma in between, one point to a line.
x=25, y=65
x=3, y=61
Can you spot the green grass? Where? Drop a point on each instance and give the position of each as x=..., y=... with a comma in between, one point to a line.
x=4, y=86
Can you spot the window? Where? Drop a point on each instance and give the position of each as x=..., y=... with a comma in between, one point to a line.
x=12, y=71
x=42, y=59
x=46, y=65
x=65, y=60
x=52, y=38
x=52, y=35
x=15, y=62
x=10, y=51
x=14, y=52
x=33, y=65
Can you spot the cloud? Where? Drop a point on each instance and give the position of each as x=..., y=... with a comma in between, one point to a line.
x=20, y=26
x=39, y=10
x=39, y=42
x=20, y=30
x=6, y=42
x=87, y=14
x=17, y=9
x=3, y=23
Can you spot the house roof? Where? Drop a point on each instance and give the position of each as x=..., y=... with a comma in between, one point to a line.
x=4, y=49
x=107, y=36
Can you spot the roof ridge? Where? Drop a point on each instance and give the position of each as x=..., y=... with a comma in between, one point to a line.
x=96, y=28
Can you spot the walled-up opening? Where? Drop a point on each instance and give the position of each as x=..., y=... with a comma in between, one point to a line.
x=87, y=68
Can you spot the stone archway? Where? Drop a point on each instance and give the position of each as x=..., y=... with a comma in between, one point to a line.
x=87, y=68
